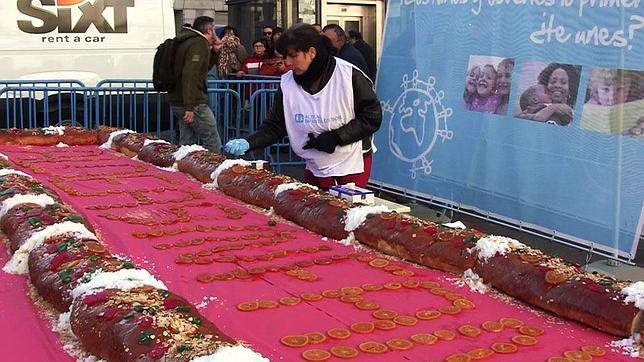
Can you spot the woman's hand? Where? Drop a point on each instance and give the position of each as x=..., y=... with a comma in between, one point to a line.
x=240, y=74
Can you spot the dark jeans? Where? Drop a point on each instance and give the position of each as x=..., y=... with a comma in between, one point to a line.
x=203, y=127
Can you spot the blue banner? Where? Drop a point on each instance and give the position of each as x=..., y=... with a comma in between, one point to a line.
x=532, y=110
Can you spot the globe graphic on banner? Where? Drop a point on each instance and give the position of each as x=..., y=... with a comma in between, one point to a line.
x=416, y=120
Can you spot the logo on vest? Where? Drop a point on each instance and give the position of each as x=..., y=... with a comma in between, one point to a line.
x=316, y=118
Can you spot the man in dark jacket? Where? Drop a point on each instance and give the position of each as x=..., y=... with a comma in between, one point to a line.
x=196, y=54
x=344, y=48
x=366, y=50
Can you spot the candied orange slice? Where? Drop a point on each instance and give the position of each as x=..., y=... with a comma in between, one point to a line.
x=311, y=297
x=224, y=276
x=578, y=356
x=524, y=340
x=403, y=273
x=388, y=215
x=95, y=247
x=371, y=287
x=295, y=340
x=315, y=337
x=316, y=355
x=411, y=283
x=344, y=352
x=331, y=293
x=428, y=314
x=373, y=347
x=392, y=285
x=480, y=353
x=367, y=305
x=439, y=291
x=336, y=203
x=458, y=357
x=405, y=320
x=594, y=351
x=531, y=258
x=351, y=298
x=557, y=277
x=445, y=235
x=364, y=258
x=268, y=304
x=205, y=278
x=469, y=330
x=444, y=334
x=384, y=325
x=385, y=314
x=530, y=331
x=511, y=322
x=399, y=344
x=492, y=326
x=453, y=296
x=504, y=348
x=558, y=359
x=464, y=304
x=429, y=284
x=379, y=263
x=449, y=309
x=392, y=268
x=239, y=169
x=362, y=327
x=351, y=291
x=424, y=338
x=338, y=333
x=248, y=306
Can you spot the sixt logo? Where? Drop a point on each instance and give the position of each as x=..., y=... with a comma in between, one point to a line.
x=61, y=16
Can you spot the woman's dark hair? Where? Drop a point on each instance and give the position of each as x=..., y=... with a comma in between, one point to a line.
x=232, y=29
x=573, y=72
x=301, y=37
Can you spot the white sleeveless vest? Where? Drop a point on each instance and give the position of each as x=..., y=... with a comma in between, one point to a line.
x=329, y=109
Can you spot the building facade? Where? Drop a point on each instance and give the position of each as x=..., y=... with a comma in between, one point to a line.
x=250, y=16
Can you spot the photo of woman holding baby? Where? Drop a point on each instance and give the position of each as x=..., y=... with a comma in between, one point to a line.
x=487, y=87
x=552, y=99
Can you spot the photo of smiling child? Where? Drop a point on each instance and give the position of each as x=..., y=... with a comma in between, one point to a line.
x=487, y=87
x=614, y=102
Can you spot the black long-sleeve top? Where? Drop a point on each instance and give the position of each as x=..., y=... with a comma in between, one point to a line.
x=368, y=114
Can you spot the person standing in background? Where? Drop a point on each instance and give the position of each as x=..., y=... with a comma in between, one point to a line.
x=232, y=54
x=343, y=47
x=317, y=28
x=197, y=53
x=366, y=50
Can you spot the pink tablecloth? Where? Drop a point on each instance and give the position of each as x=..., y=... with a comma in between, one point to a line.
x=218, y=300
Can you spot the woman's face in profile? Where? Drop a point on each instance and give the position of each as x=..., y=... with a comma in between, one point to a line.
x=504, y=79
x=471, y=79
x=300, y=61
x=558, y=86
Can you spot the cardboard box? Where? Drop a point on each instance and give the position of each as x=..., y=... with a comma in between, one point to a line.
x=353, y=193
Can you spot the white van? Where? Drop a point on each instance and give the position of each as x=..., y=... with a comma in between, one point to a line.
x=87, y=40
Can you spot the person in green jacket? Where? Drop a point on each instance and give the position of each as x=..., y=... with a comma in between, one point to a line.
x=196, y=54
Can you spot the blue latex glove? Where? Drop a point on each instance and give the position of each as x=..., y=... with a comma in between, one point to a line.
x=236, y=147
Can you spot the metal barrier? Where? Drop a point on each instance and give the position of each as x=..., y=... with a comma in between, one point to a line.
x=32, y=107
x=239, y=105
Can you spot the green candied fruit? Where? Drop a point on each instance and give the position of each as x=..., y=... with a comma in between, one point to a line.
x=145, y=338
x=182, y=308
x=184, y=348
x=195, y=320
x=128, y=265
x=471, y=240
x=34, y=221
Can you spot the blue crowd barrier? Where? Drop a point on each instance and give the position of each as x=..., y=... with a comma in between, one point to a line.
x=239, y=105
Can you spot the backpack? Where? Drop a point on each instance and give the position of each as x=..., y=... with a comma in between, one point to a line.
x=164, y=78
